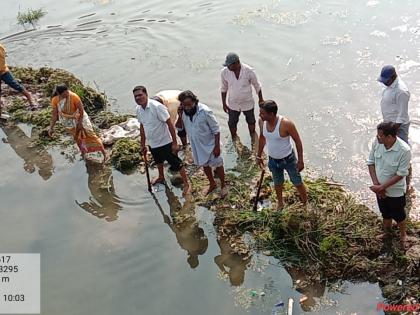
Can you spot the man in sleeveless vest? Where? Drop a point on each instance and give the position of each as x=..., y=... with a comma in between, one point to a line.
x=277, y=132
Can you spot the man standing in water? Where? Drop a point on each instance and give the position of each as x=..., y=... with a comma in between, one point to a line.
x=204, y=133
x=394, y=102
x=237, y=79
x=156, y=126
x=7, y=77
x=277, y=131
x=388, y=164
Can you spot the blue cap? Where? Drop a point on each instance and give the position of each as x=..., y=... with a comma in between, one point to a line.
x=387, y=73
x=231, y=58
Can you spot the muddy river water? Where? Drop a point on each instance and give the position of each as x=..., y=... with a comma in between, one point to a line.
x=115, y=250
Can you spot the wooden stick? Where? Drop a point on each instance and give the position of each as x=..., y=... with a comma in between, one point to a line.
x=290, y=309
x=149, y=184
x=258, y=190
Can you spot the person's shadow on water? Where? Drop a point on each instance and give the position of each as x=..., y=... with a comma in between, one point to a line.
x=103, y=202
x=33, y=156
x=310, y=288
x=184, y=224
x=230, y=263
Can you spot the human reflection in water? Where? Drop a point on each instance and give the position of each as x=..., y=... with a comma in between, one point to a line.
x=231, y=263
x=33, y=156
x=189, y=235
x=310, y=289
x=103, y=202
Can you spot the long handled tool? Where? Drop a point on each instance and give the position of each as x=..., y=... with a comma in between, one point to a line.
x=258, y=190
x=149, y=184
x=290, y=308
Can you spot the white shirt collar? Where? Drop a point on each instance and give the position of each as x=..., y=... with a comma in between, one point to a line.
x=394, y=84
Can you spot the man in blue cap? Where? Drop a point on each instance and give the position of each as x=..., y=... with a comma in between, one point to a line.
x=394, y=103
x=237, y=81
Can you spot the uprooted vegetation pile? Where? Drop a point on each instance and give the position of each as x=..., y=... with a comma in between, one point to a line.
x=332, y=238
x=44, y=80
x=125, y=154
x=41, y=83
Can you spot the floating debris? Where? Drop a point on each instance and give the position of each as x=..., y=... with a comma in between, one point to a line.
x=379, y=34
x=372, y=3
x=401, y=28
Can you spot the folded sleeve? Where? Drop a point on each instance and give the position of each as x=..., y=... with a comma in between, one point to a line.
x=224, y=82
x=402, y=102
x=54, y=101
x=254, y=81
x=404, y=163
x=212, y=122
x=371, y=158
x=162, y=112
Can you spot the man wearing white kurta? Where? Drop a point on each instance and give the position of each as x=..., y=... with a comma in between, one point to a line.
x=394, y=102
x=204, y=133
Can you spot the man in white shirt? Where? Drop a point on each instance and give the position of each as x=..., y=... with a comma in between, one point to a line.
x=237, y=81
x=394, y=103
x=388, y=164
x=156, y=126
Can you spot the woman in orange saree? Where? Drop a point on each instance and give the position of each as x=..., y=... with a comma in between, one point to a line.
x=68, y=108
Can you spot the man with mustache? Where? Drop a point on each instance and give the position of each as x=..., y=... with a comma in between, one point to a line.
x=204, y=134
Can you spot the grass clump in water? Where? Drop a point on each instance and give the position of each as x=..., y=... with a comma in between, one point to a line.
x=125, y=155
x=30, y=17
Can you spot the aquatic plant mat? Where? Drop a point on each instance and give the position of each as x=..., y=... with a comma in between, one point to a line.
x=41, y=83
x=331, y=239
